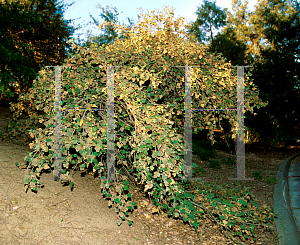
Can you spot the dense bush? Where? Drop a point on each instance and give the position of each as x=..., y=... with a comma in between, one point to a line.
x=149, y=95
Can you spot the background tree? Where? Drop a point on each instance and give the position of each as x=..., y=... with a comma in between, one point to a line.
x=232, y=49
x=238, y=21
x=276, y=69
x=209, y=17
x=231, y=42
x=268, y=39
x=12, y=50
x=225, y=42
x=33, y=35
x=109, y=34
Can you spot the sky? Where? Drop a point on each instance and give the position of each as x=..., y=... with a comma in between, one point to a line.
x=83, y=8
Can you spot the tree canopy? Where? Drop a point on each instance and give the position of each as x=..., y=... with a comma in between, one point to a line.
x=33, y=34
x=268, y=39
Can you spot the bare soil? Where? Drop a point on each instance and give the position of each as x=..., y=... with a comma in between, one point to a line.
x=57, y=215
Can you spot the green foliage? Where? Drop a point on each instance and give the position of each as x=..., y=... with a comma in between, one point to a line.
x=214, y=164
x=24, y=46
x=149, y=149
x=203, y=149
x=231, y=48
x=268, y=39
x=256, y=174
x=198, y=170
x=234, y=210
x=228, y=161
x=271, y=33
x=271, y=180
x=14, y=20
x=110, y=33
x=209, y=16
x=5, y=92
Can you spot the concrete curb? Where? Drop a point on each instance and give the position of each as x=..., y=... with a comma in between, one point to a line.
x=287, y=229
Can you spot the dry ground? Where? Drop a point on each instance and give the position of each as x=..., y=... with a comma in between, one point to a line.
x=55, y=215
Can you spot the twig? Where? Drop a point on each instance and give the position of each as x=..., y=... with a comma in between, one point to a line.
x=57, y=203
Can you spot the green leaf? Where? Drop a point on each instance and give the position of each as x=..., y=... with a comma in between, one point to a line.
x=195, y=224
